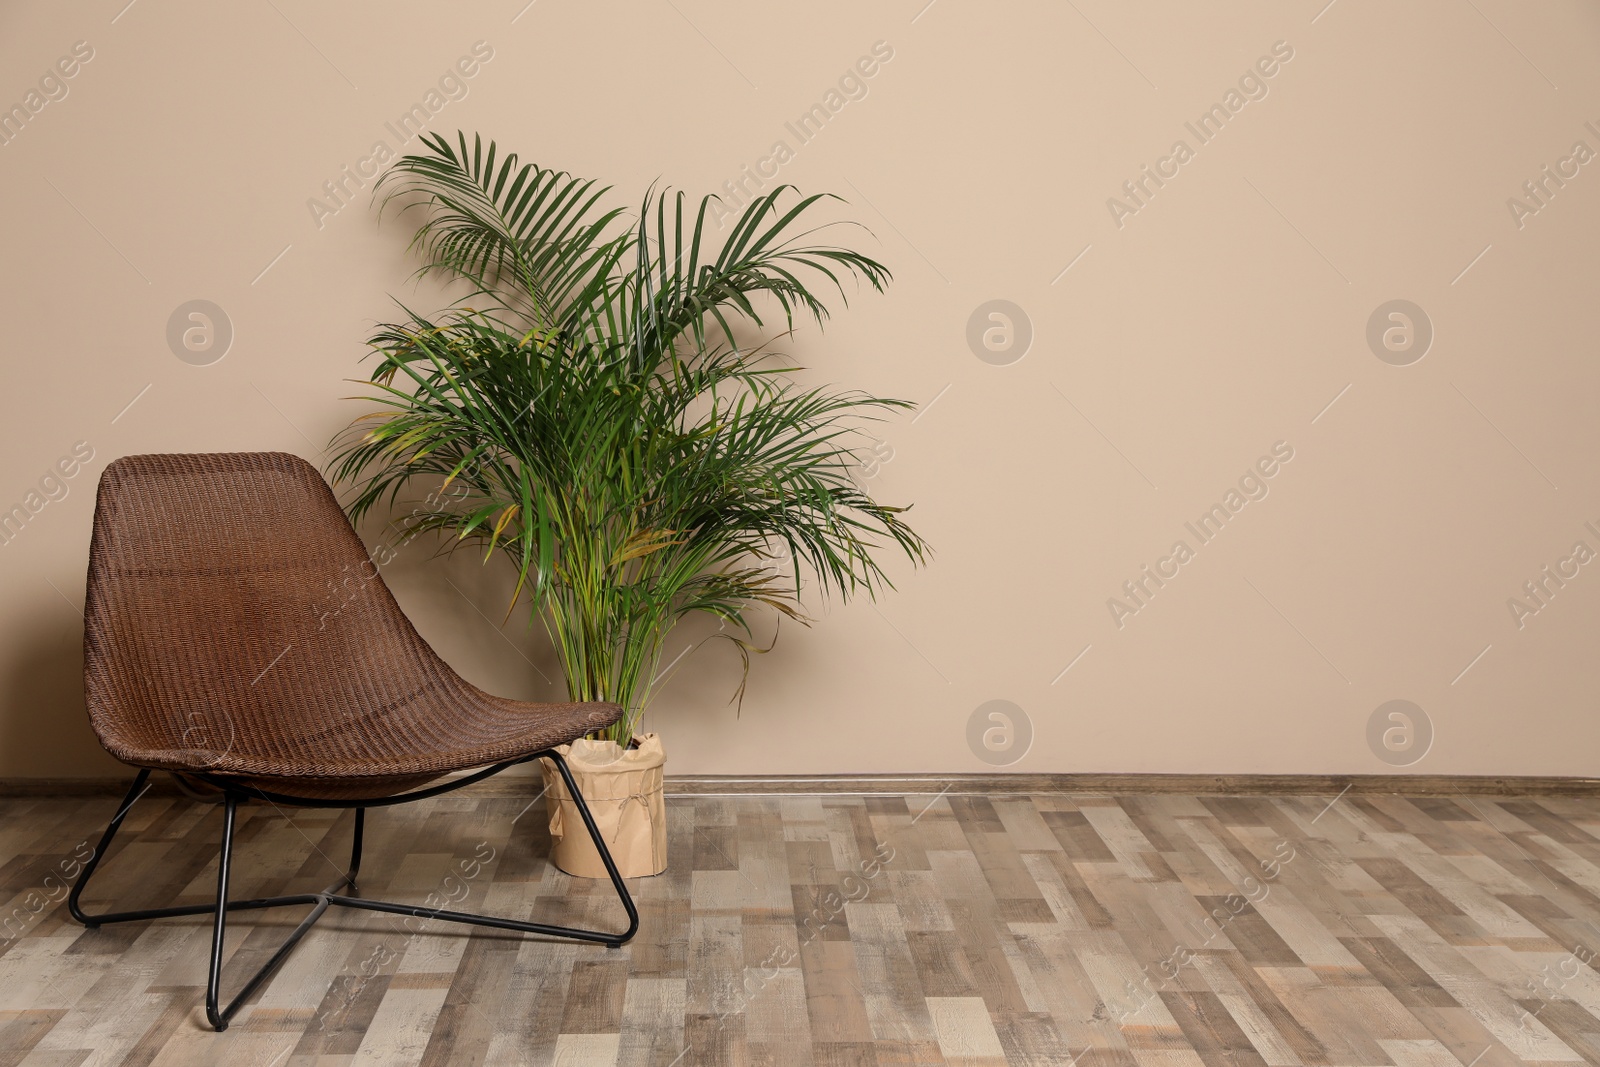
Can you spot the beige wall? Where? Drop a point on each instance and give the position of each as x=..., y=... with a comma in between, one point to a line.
x=1193, y=334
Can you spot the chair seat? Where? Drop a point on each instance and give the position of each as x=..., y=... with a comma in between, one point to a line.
x=435, y=739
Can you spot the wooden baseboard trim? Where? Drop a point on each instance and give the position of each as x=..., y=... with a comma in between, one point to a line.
x=1134, y=784
x=529, y=785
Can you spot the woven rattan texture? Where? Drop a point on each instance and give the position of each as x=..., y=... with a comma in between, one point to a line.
x=235, y=625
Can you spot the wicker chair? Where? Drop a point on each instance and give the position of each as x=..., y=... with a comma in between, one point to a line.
x=238, y=636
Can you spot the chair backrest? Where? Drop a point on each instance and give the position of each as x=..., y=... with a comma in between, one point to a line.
x=232, y=610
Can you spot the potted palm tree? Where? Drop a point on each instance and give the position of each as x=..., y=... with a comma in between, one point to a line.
x=605, y=409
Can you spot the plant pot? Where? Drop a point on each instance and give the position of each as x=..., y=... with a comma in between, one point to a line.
x=624, y=792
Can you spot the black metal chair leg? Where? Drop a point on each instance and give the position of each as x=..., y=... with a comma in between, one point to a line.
x=216, y=1014
x=218, y=1019
x=100, y=850
x=520, y=925
x=355, y=850
x=600, y=846
x=74, y=905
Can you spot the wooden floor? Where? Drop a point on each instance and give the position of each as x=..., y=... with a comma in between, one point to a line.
x=1151, y=930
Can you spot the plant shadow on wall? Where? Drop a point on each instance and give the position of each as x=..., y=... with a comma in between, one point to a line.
x=593, y=418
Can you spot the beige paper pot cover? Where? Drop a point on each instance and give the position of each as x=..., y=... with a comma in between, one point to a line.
x=623, y=789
